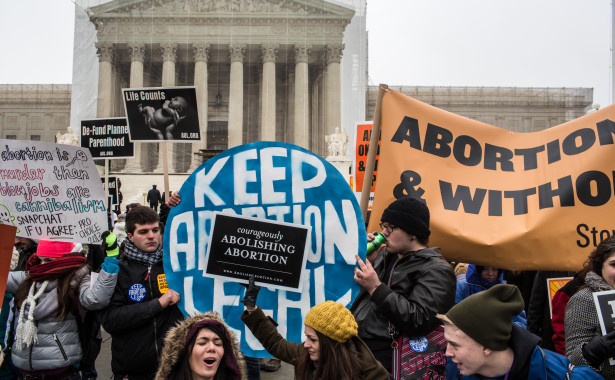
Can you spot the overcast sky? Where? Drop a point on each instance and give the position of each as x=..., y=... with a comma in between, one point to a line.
x=522, y=43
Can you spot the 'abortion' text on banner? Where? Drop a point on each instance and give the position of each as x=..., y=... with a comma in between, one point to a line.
x=541, y=200
x=283, y=183
x=51, y=191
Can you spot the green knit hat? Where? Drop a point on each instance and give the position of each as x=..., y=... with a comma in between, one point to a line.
x=110, y=244
x=487, y=316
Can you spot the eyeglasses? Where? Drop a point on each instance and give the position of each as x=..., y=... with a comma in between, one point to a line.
x=389, y=228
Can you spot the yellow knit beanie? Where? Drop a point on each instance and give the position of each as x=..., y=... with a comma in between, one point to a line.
x=333, y=320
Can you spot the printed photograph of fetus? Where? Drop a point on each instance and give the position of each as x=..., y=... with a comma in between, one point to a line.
x=162, y=113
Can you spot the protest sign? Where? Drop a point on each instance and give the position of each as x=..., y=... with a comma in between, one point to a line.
x=283, y=183
x=162, y=113
x=7, y=237
x=51, y=191
x=113, y=189
x=362, y=138
x=605, y=306
x=107, y=138
x=497, y=197
x=274, y=252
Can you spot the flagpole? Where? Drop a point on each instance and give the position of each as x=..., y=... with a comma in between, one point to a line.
x=372, y=152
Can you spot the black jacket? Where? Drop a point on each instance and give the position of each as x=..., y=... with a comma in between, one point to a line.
x=136, y=320
x=422, y=284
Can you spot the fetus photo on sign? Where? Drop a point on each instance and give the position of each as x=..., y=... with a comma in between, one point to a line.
x=162, y=114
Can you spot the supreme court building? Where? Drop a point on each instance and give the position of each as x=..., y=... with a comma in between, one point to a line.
x=283, y=70
x=263, y=69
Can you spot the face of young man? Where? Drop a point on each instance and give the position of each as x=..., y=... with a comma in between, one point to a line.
x=464, y=351
x=398, y=240
x=146, y=237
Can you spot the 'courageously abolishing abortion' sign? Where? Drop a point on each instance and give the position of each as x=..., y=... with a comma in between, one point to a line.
x=272, y=181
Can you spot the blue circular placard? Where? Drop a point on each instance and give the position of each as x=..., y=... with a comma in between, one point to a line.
x=272, y=181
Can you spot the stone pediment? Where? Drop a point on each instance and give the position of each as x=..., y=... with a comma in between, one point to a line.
x=207, y=8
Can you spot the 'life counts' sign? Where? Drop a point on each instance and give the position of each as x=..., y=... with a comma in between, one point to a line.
x=266, y=180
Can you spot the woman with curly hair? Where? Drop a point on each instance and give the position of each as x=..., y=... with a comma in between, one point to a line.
x=585, y=344
x=48, y=298
x=201, y=347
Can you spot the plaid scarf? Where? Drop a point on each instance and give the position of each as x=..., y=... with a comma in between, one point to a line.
x=54, y=269
x=138, y=255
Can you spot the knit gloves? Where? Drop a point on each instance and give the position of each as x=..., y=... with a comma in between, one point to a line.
x=249, y=298
x=111, y=265
x=599, y=348
x=109, y=243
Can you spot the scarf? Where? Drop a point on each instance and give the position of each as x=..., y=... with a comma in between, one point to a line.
x=54, y=269
x=138, y=255
x=27, y=329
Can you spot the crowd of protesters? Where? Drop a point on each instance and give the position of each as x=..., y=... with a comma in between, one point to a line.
x=416, y=315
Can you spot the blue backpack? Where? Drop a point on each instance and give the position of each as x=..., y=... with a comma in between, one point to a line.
x=548, y=365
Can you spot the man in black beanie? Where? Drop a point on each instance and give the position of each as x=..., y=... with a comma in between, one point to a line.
x=404, y=283
x=485, y=343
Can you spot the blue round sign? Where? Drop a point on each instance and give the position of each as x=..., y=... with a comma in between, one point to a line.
x=276, y=183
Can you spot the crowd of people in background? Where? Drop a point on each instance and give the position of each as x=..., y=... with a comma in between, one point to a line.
x=416, y=315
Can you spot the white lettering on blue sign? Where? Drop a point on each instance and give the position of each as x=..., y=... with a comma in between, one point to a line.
x=419, y=345
x=275, y=181
x=136, y=292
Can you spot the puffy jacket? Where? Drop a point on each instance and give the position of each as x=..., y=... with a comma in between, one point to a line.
x=422, y=284
x=136, y=320
x=58, y=339
x=474, y=283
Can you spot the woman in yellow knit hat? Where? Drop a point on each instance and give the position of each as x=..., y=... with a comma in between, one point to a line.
x=332, y=349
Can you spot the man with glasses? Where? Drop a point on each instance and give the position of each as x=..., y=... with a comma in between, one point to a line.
x=404, y=283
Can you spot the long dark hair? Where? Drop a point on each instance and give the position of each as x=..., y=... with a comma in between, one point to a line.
x=181, y=370
x=596, y=259
x=336, y=361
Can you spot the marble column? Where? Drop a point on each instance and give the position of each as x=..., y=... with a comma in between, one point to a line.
x=201, y=57
x=333, y=113
x=301, y=130
x=316, y=136
x=105, y=53
x=268, y=94
x=136, y=52
x=290, y=103
x=235, y=109
x=169, y=54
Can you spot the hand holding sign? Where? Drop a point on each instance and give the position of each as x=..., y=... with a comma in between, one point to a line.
x=169, y=298
x=365, y=275
x=599, y=348
x=249, y=298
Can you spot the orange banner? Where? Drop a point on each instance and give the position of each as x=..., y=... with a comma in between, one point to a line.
x=540, y=200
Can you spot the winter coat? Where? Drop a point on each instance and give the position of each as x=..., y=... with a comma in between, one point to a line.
x=264, y=329
x=173, y=351
x=58, y=339
x=474, y=283
x=532, y=362
x=582, y=324
x=422, y=284
x=136, y=320
x=538, y=313
x=559, y=302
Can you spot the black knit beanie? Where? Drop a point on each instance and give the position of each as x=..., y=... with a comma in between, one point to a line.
x=409, y=214
x=487, y=316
